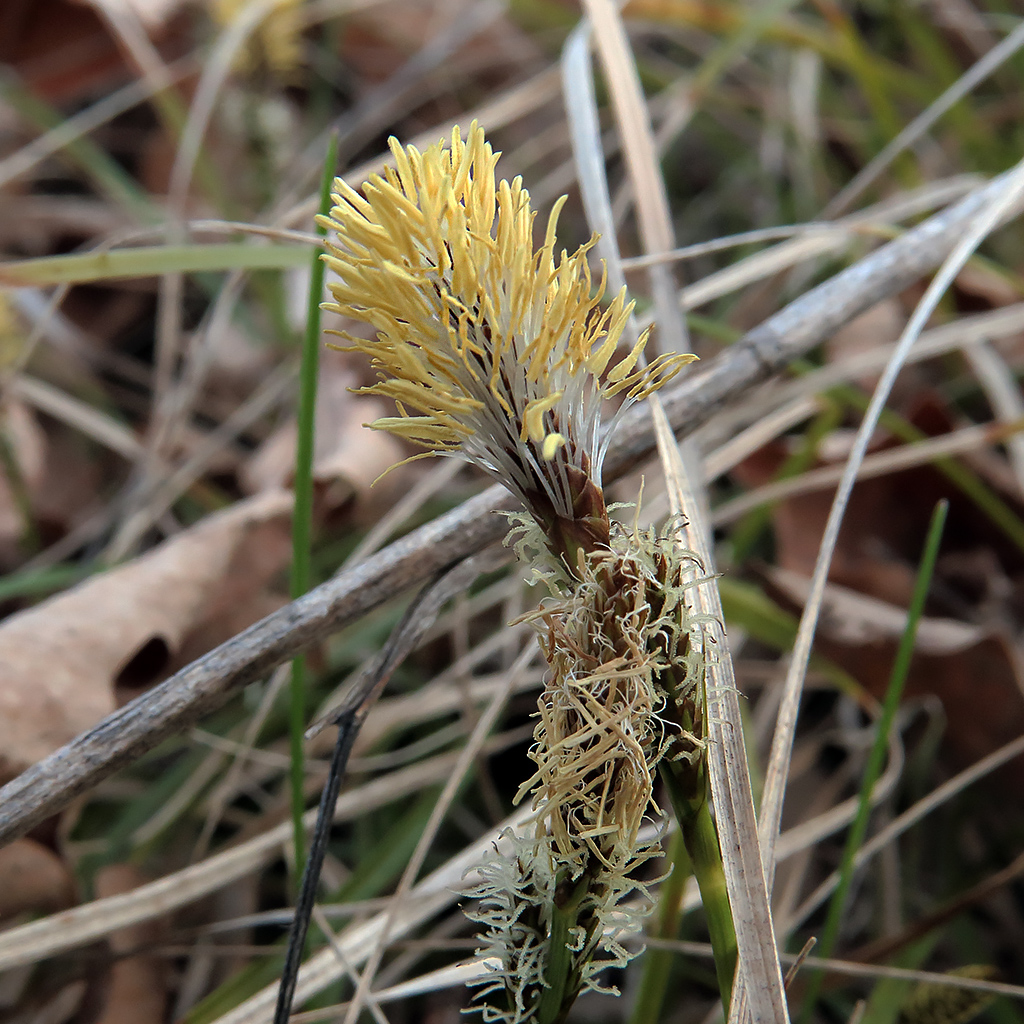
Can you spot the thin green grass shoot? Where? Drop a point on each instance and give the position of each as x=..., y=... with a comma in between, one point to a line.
x=302, y=518
x=876, y=757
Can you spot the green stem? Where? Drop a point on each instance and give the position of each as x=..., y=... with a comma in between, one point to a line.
x=657, y=963
x=701, y=839
x=876, y=758
x=302, y=519
x=561, y=987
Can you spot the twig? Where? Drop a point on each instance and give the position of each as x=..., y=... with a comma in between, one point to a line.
x=176, y=704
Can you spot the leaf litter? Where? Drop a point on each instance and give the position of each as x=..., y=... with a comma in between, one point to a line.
x=64, y=660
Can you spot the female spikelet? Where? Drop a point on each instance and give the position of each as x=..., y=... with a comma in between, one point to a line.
x=617, y=646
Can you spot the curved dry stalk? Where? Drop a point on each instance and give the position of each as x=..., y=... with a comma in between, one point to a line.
x=735, y=821
x=1002, y=200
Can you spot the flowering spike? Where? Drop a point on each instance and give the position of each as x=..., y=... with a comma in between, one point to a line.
x=621, y=667
x=493, y=350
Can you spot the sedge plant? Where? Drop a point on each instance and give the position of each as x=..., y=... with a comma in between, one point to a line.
x=504, y=355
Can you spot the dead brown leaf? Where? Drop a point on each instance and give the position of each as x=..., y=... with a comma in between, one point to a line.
x=33, y=877
x=33, y=34
x=64, y=51
x=62, y=660
x=241, y=597
x=970, y=668
x=348, y=456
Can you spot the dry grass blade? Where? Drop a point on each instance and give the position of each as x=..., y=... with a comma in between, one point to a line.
x=730, y=782
x=91, y=422
x=653, y=211
x=963, y=333
x=461, y=974
x=764, y=429
x=760, y=976
x=49, y=936
x=880, y=221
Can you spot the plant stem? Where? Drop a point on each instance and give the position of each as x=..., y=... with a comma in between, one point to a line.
x=302, y=518
x=701, y=839
x=657, y=963
x=560, y=990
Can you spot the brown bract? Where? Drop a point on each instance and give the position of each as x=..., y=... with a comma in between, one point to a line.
x=348, y=456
